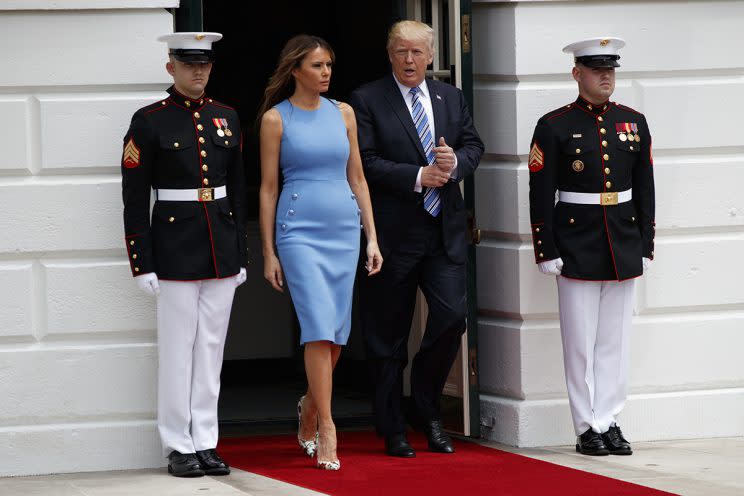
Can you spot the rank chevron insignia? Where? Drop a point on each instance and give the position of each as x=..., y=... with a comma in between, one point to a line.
x=537, y=160
x=131, y=158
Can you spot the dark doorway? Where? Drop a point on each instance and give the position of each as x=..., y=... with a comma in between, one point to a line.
x=263, y=373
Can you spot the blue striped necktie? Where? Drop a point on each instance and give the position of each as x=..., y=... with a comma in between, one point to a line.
x=432, y=202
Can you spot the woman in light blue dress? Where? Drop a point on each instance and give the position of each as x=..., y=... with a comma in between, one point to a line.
x=310, y=233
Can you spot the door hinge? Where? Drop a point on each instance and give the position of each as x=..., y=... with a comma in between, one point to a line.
x=465, y=32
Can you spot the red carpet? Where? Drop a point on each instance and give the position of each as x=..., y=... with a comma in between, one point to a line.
x=366, y=470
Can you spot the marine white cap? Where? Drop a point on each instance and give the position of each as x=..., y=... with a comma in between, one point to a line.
x=191, y=46
x=596, y=52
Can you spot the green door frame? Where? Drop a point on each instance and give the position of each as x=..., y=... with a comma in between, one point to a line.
x=188, y=16
x=466, y=77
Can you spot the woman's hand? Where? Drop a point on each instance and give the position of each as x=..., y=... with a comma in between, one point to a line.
x=374, y=258
x=273, y=273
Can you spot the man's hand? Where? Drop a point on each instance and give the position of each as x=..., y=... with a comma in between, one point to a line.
x=148, y=283
x=444, y=156
x=433, y=177
x=553, y=267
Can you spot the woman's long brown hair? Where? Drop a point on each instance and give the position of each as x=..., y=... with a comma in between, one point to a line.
x=281, y=84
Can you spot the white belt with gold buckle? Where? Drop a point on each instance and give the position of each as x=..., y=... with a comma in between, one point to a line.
x=611, y=198
x=198, y=194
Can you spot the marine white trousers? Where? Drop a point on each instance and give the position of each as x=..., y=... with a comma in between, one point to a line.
x=192, y=325
x=596, y=321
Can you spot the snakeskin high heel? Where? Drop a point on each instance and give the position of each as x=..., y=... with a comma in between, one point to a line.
x=309, y=447
x=325, y=464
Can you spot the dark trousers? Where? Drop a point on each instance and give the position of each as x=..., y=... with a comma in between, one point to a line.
x=387, y=303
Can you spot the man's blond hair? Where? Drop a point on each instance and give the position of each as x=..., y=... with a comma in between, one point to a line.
x=411, y=31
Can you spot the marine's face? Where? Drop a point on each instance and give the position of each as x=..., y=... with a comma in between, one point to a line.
x=409, y=59
x=190, y=78
x=315, y=70
x=596, y=84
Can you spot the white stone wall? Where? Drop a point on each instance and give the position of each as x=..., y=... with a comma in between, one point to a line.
x=683, y=68
x=77, y=340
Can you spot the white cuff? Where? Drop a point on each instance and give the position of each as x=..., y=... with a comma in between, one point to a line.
x=418, y=187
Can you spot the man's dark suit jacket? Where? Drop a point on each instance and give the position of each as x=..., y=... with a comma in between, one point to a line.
x=392, y=154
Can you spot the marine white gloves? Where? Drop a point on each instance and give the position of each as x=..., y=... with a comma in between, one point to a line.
x=148, y=283
x=646, y=264
x=241, y=277
x=551, y=266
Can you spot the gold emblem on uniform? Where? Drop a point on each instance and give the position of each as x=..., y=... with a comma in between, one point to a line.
x=200, y=37
x=604, y=42
x=638, y=138
x=228, y=132
x=578, y=165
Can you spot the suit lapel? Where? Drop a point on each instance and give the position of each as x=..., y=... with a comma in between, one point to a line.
x=437, y=106
x=395, y=99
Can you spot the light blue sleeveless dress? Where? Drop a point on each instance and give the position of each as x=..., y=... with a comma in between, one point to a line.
x=317, y=220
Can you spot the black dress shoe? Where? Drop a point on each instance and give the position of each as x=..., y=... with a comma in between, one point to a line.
x=397, y=445
x=590, y=443
x=212, y=463
x=184, y=465
x=439, y=441
x=616, y=442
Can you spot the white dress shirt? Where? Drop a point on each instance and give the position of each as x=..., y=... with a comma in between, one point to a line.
x=425, y=100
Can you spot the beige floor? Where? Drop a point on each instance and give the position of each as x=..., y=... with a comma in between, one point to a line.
x=704, y=467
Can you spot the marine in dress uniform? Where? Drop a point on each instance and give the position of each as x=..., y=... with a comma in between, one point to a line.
x=597, y=238
x=190, y=252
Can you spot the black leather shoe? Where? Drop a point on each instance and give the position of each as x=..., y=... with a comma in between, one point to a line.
x=439, y=441
x=184, y=465
x=212, y=463
x=397, y=445
x=590, y=443
x=616, y=442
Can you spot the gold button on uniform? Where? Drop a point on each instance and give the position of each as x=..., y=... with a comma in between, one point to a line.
x=606, y=157
x=201, y=139
x=603, y=130
x=205, y=181
x=604, y=143
x=607, y=170
x=608, y=184
x=571, y=220
x=171, y=219
x=578, y=150
x=196, y=114
x=631, y=148
x=131, y=243
x=162, y=103
x=176, y=144
x=205, y=168
x=134, y=256
x=200, y=127
x=541, y=255
x=539, y=242
x=188, y=104
x=136, y=269
x=537, y=229
x=227, y=142
x=203, y=153
x=633, y=219
x=600, y=119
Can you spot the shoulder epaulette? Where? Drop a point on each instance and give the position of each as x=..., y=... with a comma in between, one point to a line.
x=219, y=104
x=625, y=107
x=559, y=111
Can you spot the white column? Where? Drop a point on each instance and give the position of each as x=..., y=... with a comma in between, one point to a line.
x=682, y=68
x=78, y=353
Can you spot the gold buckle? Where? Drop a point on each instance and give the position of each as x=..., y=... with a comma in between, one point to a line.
x=608, y=199
x=207, y=194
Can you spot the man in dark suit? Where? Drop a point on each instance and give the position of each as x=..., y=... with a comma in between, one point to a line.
x=417, y=142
